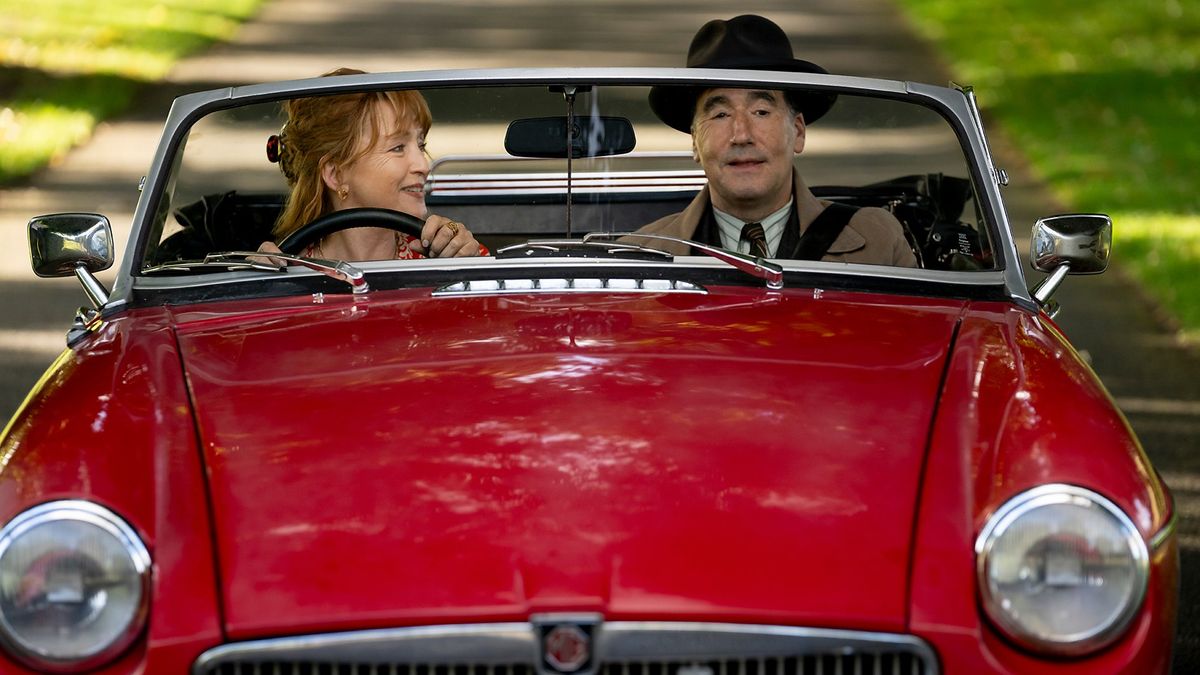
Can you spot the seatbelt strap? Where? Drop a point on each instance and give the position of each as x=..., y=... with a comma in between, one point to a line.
x=823, y=231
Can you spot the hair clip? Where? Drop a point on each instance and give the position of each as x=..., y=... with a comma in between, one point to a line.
x=274, y=148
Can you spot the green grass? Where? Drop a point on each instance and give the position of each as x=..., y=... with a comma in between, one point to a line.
x=1163, y=251
x=1104, y=98
x=66, y=65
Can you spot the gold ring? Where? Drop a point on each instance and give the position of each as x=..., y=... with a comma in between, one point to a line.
x=453, y=227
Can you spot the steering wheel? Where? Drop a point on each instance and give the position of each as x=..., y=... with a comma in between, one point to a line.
x=337, y=221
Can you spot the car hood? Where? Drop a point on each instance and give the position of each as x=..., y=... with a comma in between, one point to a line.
x=404, y=459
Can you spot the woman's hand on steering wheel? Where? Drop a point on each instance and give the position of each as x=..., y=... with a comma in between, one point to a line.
x=445, y=238
x=438, y=237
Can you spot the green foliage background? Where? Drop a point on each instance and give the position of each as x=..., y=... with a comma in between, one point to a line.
x=1104, y=98
x=65, y=65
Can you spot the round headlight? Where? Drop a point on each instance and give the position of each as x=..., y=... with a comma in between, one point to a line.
x=1061, y=570
x=74, y=585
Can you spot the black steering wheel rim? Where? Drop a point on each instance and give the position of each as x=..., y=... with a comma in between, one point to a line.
x=322, y=227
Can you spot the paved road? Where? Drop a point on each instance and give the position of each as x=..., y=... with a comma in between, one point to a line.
x=1155, y=381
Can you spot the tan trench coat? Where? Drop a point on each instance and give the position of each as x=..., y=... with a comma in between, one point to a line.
x=873, y=236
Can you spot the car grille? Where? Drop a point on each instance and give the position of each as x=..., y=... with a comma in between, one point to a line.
x=620, y=649
x=813, y=664
x=319, y=668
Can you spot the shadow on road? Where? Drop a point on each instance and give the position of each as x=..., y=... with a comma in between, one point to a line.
x=43, y=308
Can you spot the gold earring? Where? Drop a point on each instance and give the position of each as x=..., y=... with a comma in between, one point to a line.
x=344, y=192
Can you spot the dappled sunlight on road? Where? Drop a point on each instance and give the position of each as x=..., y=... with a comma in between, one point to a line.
x=34, y=344
x=1186, y=488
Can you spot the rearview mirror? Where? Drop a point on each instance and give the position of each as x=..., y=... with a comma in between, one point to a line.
x=547, y=137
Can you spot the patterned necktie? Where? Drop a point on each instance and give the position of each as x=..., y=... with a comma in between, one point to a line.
x=754, y=233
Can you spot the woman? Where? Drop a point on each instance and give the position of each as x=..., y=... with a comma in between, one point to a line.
x=361, y=150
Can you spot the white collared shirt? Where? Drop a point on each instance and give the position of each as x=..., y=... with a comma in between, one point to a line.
x=731, y=229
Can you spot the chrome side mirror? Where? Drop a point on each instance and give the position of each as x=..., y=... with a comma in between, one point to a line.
x=1069, y=244
x=63, y=244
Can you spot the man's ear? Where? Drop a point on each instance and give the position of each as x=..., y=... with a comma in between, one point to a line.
x=799, y=122
x=695, y=150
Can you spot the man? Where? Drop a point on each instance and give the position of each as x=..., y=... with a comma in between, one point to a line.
x=745, y=140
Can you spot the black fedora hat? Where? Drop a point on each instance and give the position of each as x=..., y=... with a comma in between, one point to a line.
x=749, y=42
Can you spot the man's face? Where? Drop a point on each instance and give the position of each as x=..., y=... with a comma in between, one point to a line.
x=745, y=140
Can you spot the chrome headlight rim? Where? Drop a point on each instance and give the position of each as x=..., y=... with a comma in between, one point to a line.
x=1050, y=494
x=105, y=519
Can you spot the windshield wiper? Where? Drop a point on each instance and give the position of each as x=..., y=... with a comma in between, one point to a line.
x=574, y=248
x=759, y=268
x=242, y=260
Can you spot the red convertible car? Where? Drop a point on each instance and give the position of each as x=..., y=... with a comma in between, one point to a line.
x=584, y=452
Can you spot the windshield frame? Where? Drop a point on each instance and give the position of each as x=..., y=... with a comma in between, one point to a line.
x=952, y=104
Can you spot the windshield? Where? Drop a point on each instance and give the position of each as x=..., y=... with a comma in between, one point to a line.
x=520, y=163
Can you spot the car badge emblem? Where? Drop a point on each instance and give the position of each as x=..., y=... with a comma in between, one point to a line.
x=566, y=647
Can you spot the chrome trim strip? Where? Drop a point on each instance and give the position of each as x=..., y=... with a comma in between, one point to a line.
x=542, y=182
x=566, y=285
x=565, y=617
x=546, y=267
x=468, y=187
x=539, y=76
x=620, y=640
x=508, y=159
x=1160, y=538
x=761, y=268
x=508, y=643
x=483, y=644
x=1009, y=256
x=973, y=107
x=475, y=184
